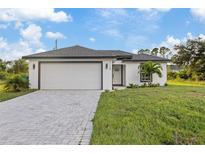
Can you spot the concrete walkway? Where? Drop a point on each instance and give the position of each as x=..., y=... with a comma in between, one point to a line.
x=49, y=117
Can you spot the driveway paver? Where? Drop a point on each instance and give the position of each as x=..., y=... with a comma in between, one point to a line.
x=49, y=117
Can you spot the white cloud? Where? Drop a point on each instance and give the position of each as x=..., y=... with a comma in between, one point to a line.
x=28, y=43
x=40, y=50
x=171, y=41
x=4, y=26
x=55, y=35
x=112, y=32
x=199, y=13
x=135, y=51
x=18, y=25
x=202, y=36
x=3, y=43
x=92, y=39
x=152, y=14
x=110, y=13
x=154, y=9
x=32, y=34
x=34, y=14
x=10, y=51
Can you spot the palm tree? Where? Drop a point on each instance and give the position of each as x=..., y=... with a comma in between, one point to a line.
x=151, y=68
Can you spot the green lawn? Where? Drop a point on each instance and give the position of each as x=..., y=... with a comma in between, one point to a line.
x=162, y=115
x=186, y=83
x=9, y=95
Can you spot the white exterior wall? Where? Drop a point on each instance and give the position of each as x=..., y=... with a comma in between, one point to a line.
x=133, y=74
x=107, y=73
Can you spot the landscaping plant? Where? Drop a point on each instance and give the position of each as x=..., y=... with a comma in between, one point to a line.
x=17, y=82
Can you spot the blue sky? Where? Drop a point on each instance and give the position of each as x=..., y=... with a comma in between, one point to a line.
x=26, y=31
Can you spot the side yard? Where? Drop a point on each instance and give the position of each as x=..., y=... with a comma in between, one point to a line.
x=161, y=115
x=9, y=95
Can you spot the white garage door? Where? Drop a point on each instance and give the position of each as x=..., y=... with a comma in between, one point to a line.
x=70, y=75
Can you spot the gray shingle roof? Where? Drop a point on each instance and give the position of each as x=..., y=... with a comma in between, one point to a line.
x=83, y=52
x=146, y=57
x=79, y=52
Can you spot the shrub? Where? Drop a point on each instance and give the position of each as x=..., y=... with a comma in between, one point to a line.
x=197, y=77
x=143, y=85
x=171, y=75
x=17, y=82
x=3, y=75
x=131, y=85
x=183, y=75
x=153, y=85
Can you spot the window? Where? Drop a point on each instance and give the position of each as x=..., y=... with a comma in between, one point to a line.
x=144, y=77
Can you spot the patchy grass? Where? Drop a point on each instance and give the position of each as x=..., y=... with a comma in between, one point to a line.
x=186, y=83
x=162, y=115
x=4, y=95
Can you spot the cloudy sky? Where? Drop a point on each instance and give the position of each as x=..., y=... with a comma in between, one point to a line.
x=26, y=31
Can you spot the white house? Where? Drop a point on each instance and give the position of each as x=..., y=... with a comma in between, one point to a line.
x=78, y=67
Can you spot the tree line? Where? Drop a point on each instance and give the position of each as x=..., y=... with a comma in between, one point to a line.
x=11, y=67
x=162, y=51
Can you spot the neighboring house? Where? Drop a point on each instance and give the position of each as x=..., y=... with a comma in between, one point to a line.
x=78, y=67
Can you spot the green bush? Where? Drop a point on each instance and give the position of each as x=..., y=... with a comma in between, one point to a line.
x=131, y=85
x=153, y=85
x=3, y=75
x=171, y=75
x=17, y=82
x=144, y=85
x=183, y=75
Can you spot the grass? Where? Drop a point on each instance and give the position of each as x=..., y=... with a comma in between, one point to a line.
x=162, y=115
x=9, y=95
x=186, y=83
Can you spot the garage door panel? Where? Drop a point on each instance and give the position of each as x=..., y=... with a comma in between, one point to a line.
x=70, y=76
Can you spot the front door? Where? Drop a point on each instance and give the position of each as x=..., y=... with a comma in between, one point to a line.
x=117, y=74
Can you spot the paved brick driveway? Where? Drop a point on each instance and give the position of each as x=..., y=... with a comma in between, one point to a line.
x=48, y=117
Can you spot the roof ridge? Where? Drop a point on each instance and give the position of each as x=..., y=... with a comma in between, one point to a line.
x=77, y=45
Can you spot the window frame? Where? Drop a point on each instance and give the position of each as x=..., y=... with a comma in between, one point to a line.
x=142, y=76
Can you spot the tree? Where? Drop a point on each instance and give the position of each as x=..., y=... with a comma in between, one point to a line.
x=191, y=56
x=155, y=51
x=144, y=51
x=19, y=66
x=2, y=65
x=151, y=68
x=163, y=51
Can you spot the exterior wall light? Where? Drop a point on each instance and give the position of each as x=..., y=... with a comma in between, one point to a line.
x=34, y=66
x=106, y=65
